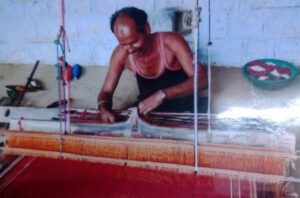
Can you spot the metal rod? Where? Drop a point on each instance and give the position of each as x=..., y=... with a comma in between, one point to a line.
x=27, y=83
x=196, y=35
x=209, y=68
x=20, y=98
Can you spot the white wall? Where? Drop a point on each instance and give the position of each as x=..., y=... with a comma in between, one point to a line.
x=241, y=30
x=244, y=30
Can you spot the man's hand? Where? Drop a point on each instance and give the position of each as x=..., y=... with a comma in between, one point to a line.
x=153, y=101
x=107, y=116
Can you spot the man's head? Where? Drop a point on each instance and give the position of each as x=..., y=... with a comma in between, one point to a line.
x=130, y=26
x=137, y=15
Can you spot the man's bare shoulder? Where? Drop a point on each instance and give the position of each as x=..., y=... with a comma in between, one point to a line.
x=172, y=38
x=119, y=55
x=120, y=51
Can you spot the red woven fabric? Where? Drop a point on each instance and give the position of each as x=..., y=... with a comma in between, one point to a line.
x=44, y=177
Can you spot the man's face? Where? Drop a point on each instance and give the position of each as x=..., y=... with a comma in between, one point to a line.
x=128, y=36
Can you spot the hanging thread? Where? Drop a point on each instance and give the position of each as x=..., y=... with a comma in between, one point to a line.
x=63, y=80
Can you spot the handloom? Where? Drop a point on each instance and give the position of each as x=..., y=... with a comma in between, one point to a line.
x=160, y=131
x=239, y=149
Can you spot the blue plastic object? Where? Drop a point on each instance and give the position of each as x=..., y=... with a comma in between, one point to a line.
x=76, y=70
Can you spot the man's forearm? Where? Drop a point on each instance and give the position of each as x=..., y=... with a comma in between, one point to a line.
x=104, y=101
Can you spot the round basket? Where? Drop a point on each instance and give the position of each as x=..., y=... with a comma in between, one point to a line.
x=266, y=83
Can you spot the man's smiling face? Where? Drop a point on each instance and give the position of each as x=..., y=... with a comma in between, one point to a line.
x=129, y=38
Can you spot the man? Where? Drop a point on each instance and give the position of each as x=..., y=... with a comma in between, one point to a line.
x=162, y=63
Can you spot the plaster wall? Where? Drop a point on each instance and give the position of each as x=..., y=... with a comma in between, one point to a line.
x=241, y=30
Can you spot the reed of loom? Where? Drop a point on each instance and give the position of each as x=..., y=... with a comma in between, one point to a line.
x=238, y=158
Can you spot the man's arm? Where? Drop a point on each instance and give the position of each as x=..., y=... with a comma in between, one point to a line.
x=179, y=47
x=116, y=68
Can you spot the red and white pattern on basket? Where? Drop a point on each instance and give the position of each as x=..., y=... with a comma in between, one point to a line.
x=268, y=71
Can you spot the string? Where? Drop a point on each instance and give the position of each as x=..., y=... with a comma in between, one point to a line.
x=10, y=180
